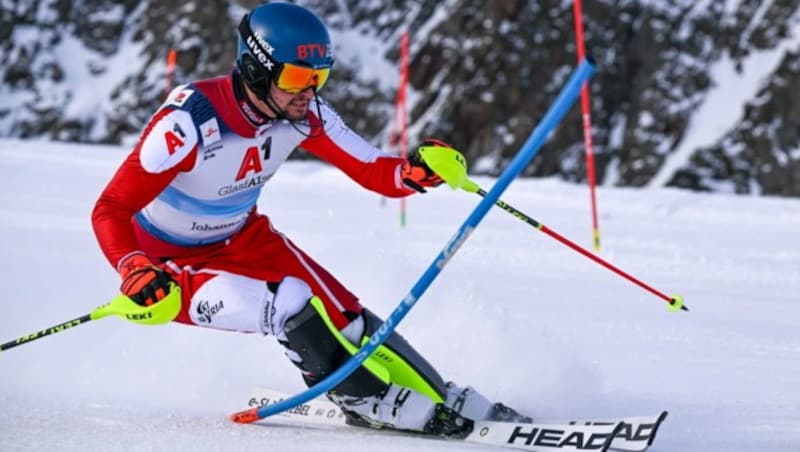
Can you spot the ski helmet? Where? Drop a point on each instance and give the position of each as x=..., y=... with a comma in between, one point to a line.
x=286, y=44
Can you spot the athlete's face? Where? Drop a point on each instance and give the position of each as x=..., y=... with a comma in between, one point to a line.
x=295, y=105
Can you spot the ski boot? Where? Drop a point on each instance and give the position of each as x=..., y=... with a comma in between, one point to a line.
x=471, y=404
x=400, y=408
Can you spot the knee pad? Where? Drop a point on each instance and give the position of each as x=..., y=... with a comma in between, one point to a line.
x=291, y=295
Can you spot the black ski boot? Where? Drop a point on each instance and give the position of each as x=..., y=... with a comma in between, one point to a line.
x=470, y=403
x=448, y=423
x=502, y=413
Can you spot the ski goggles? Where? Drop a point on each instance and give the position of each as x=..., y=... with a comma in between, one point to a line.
x=295, y=78
x=290, y=77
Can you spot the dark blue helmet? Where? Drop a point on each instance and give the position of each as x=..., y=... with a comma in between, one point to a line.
x=283, y=42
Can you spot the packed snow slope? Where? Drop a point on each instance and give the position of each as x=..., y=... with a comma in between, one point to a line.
x=515, y=313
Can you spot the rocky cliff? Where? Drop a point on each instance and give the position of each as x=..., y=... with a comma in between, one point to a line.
x=694, y=94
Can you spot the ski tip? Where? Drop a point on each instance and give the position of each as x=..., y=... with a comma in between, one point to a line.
x=657, y=425
x=246, y=417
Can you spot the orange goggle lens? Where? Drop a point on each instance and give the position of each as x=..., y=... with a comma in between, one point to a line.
x=294, y=78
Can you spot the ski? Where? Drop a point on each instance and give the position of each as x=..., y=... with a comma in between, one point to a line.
x=632, y=434
x=636, y=434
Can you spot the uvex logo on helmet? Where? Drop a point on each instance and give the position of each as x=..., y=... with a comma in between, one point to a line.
x=261, y=49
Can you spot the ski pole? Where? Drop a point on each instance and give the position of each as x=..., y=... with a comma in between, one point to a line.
x=675, y=301
x=553, y=116
x=159, y=313
x=457, y=178
x=48, y=331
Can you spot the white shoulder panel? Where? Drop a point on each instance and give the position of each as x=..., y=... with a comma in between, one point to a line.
x=169, y=141
x=344, y=136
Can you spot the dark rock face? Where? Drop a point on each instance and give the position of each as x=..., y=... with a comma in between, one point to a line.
x=698, y=95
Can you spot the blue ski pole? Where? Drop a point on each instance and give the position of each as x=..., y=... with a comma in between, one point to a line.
x=551, y=119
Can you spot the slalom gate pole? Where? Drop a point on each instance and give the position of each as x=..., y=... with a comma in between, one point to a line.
x=159, y=313
x=551, y=119
x=402, y=112
x=586, y=111
x=675, y=301
x=172, y=56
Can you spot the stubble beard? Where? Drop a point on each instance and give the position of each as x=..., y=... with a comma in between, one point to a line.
x=296, y=113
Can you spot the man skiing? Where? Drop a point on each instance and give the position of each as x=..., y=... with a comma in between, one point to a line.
x=180, y=212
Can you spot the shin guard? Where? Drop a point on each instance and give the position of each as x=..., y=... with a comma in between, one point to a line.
x=321, y=348
x=405, y=365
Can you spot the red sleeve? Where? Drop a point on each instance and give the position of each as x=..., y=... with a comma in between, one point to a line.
x=381, y=175
x=130, y=190
x=362, y=162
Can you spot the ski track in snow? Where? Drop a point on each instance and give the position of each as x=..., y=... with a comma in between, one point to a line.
x=516, y=314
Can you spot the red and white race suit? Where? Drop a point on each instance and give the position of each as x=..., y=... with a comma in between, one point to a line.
x=186, y=197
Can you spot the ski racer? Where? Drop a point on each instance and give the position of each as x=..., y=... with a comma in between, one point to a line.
x=180, y=212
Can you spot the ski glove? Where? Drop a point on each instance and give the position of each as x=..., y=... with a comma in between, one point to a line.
x=416, y=173
x=143, y=282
